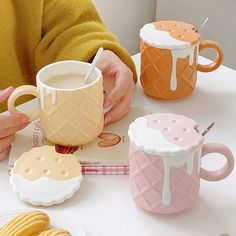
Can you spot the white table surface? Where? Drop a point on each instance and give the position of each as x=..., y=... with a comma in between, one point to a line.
x=104, y=207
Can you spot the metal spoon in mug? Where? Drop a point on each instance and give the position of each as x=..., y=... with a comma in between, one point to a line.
x=208, y=129
x=95, y=60
x=203, y=24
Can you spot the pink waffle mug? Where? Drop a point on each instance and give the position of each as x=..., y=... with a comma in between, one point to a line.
x=165, y=162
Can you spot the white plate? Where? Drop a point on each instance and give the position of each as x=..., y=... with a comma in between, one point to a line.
x=57, y=221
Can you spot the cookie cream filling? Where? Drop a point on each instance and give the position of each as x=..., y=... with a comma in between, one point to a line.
x=45, y=191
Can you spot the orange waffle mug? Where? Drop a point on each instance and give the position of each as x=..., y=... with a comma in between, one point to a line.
x=68, y=116
x=169, y=55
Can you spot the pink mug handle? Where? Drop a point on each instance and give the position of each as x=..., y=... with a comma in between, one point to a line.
x=225, y=170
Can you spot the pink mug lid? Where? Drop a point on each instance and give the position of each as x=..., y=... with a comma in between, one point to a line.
x=165, y=134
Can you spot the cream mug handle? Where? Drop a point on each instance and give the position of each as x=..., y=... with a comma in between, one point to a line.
x=225, y=170
x=18, y=92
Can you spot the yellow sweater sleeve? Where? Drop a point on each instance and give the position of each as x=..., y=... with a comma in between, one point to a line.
x=72, y=29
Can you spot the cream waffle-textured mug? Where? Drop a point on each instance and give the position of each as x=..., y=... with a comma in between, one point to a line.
x=68, y=116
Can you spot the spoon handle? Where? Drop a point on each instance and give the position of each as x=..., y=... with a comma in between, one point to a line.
x=203, y=24
x=208, y=129
x=95, y=60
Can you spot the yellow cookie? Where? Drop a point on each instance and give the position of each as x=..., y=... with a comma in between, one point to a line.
x=55, y=232
x=44, y=177
x=26, y=224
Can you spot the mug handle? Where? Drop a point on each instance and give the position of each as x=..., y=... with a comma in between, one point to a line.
x=225, y=170
x=18, y=92
x=219, y=57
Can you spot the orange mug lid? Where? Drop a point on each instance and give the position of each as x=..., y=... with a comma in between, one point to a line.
x=170, y=34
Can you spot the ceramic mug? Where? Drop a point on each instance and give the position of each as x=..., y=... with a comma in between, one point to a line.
x=165, y=162
x=169, y=59
x=68, y=116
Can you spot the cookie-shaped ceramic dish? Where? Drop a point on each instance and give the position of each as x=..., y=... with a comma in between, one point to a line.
x=44, y=177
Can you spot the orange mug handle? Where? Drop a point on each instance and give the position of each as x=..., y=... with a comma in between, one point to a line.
x=219, y=57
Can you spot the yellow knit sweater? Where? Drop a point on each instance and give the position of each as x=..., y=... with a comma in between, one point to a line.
x=34, y=33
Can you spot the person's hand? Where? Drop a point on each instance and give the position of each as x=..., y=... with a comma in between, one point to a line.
x=118, y=84
x=9, y=125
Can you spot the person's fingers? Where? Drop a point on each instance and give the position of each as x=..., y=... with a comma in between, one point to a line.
x=119, y=111
x=5, y=93
x=4, y=153
x=123, y=80
x=8, y=121
x=12, y=130
x=5, y=142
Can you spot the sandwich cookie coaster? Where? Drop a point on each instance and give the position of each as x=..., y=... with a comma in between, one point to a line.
x=44, y=177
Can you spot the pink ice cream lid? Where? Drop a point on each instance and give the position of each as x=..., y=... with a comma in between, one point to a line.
x=165, y=134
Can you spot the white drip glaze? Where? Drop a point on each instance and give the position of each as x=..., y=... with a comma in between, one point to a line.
x=176, y=54
x=43, y=91
x=53, y=93
x=41, y=95
x=177, y=162
x=199, y=160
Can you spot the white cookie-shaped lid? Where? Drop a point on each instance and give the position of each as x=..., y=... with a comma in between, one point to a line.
x=44, y=177
x=165, y=134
